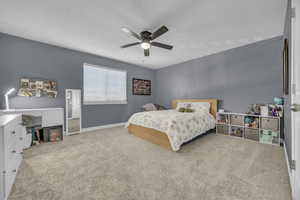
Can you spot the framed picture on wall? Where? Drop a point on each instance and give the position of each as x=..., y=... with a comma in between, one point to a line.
x=141, y=87
x=286, y=67
x=37, y=88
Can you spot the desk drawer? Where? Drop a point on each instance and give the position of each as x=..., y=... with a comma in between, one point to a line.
x=52, y=118
x=9, y=179
x=13, y=156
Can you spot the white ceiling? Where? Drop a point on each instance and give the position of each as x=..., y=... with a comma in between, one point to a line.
x=196, y=27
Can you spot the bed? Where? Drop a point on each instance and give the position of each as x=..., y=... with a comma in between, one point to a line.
x=170, y=128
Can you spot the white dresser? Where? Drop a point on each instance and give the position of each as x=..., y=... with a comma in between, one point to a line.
x=11, y=149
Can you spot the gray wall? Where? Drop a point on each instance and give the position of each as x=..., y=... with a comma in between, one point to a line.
x=237, y=77
x=25, y=58
x=287, y=99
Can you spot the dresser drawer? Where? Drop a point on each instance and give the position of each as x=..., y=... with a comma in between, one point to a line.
x=222, y=129
x=12, y=131
x=12, y=162
x=12, y=157
x=237, y=120
x=270, y=123
x=252, y=134
x=9, y=178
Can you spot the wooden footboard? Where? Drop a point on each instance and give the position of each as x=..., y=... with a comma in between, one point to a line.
x=151, y=135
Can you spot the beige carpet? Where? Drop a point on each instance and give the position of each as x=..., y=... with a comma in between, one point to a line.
x=113, y=165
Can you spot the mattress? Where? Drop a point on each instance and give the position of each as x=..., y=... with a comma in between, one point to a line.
x=179, y=127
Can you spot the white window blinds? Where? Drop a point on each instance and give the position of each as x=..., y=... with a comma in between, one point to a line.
x=104, y=85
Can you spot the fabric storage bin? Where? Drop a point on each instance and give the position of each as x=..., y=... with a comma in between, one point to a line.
x=252, y=134
x=222, y=129
x=269, y=123
x=237, y=120
x=237, y=131
x=269, y=137
x=265, y=137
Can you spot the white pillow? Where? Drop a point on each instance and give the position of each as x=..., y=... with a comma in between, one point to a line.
x=200, y=106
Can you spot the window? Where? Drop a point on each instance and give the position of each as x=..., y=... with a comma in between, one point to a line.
x=102, y=85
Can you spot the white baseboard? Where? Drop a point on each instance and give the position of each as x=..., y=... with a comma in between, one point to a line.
x=94, y=128
x=288, y=166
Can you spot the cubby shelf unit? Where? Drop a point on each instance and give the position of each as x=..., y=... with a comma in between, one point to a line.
x=263, y=129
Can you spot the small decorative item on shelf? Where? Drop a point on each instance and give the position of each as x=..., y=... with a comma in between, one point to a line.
x=222, y=118
x=264, y=110
x=255, y=109
x=275, y=110
x=251, y=122
x=221, y=110
x=278, y=100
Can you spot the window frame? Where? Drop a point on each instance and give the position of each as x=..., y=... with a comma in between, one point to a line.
x=104, y=102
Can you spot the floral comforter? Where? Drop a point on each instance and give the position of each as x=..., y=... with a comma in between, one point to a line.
x=180, y=127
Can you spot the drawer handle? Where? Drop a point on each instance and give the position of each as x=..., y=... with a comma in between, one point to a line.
x=14, y=170
x=14, y=151
x=13, y=132
x=21, y=138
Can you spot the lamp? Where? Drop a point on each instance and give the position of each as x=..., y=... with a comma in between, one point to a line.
x=145, y=45
x=6, y=97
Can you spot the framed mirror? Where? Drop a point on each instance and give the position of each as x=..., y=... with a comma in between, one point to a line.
x=73, y=111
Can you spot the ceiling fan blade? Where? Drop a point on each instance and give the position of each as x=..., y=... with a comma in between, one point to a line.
x=126, y=30
x=161, y=45
x=159, y=32
x=130, y=45
x=146, y=52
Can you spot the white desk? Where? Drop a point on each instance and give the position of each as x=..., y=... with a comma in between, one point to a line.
x=50, y=116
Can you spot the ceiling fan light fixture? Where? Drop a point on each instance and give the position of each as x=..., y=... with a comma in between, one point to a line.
x=145, y=45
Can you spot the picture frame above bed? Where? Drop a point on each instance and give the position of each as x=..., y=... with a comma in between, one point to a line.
x=141, y=87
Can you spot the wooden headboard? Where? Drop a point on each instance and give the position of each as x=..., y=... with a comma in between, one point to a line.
x=213, y=104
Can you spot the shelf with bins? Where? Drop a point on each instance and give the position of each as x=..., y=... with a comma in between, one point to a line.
x=263, y=129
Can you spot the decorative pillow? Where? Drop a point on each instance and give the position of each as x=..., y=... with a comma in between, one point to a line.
x=181, y=110
x=188, y=110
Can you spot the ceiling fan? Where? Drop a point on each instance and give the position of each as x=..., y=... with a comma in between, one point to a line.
x=146, y=39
